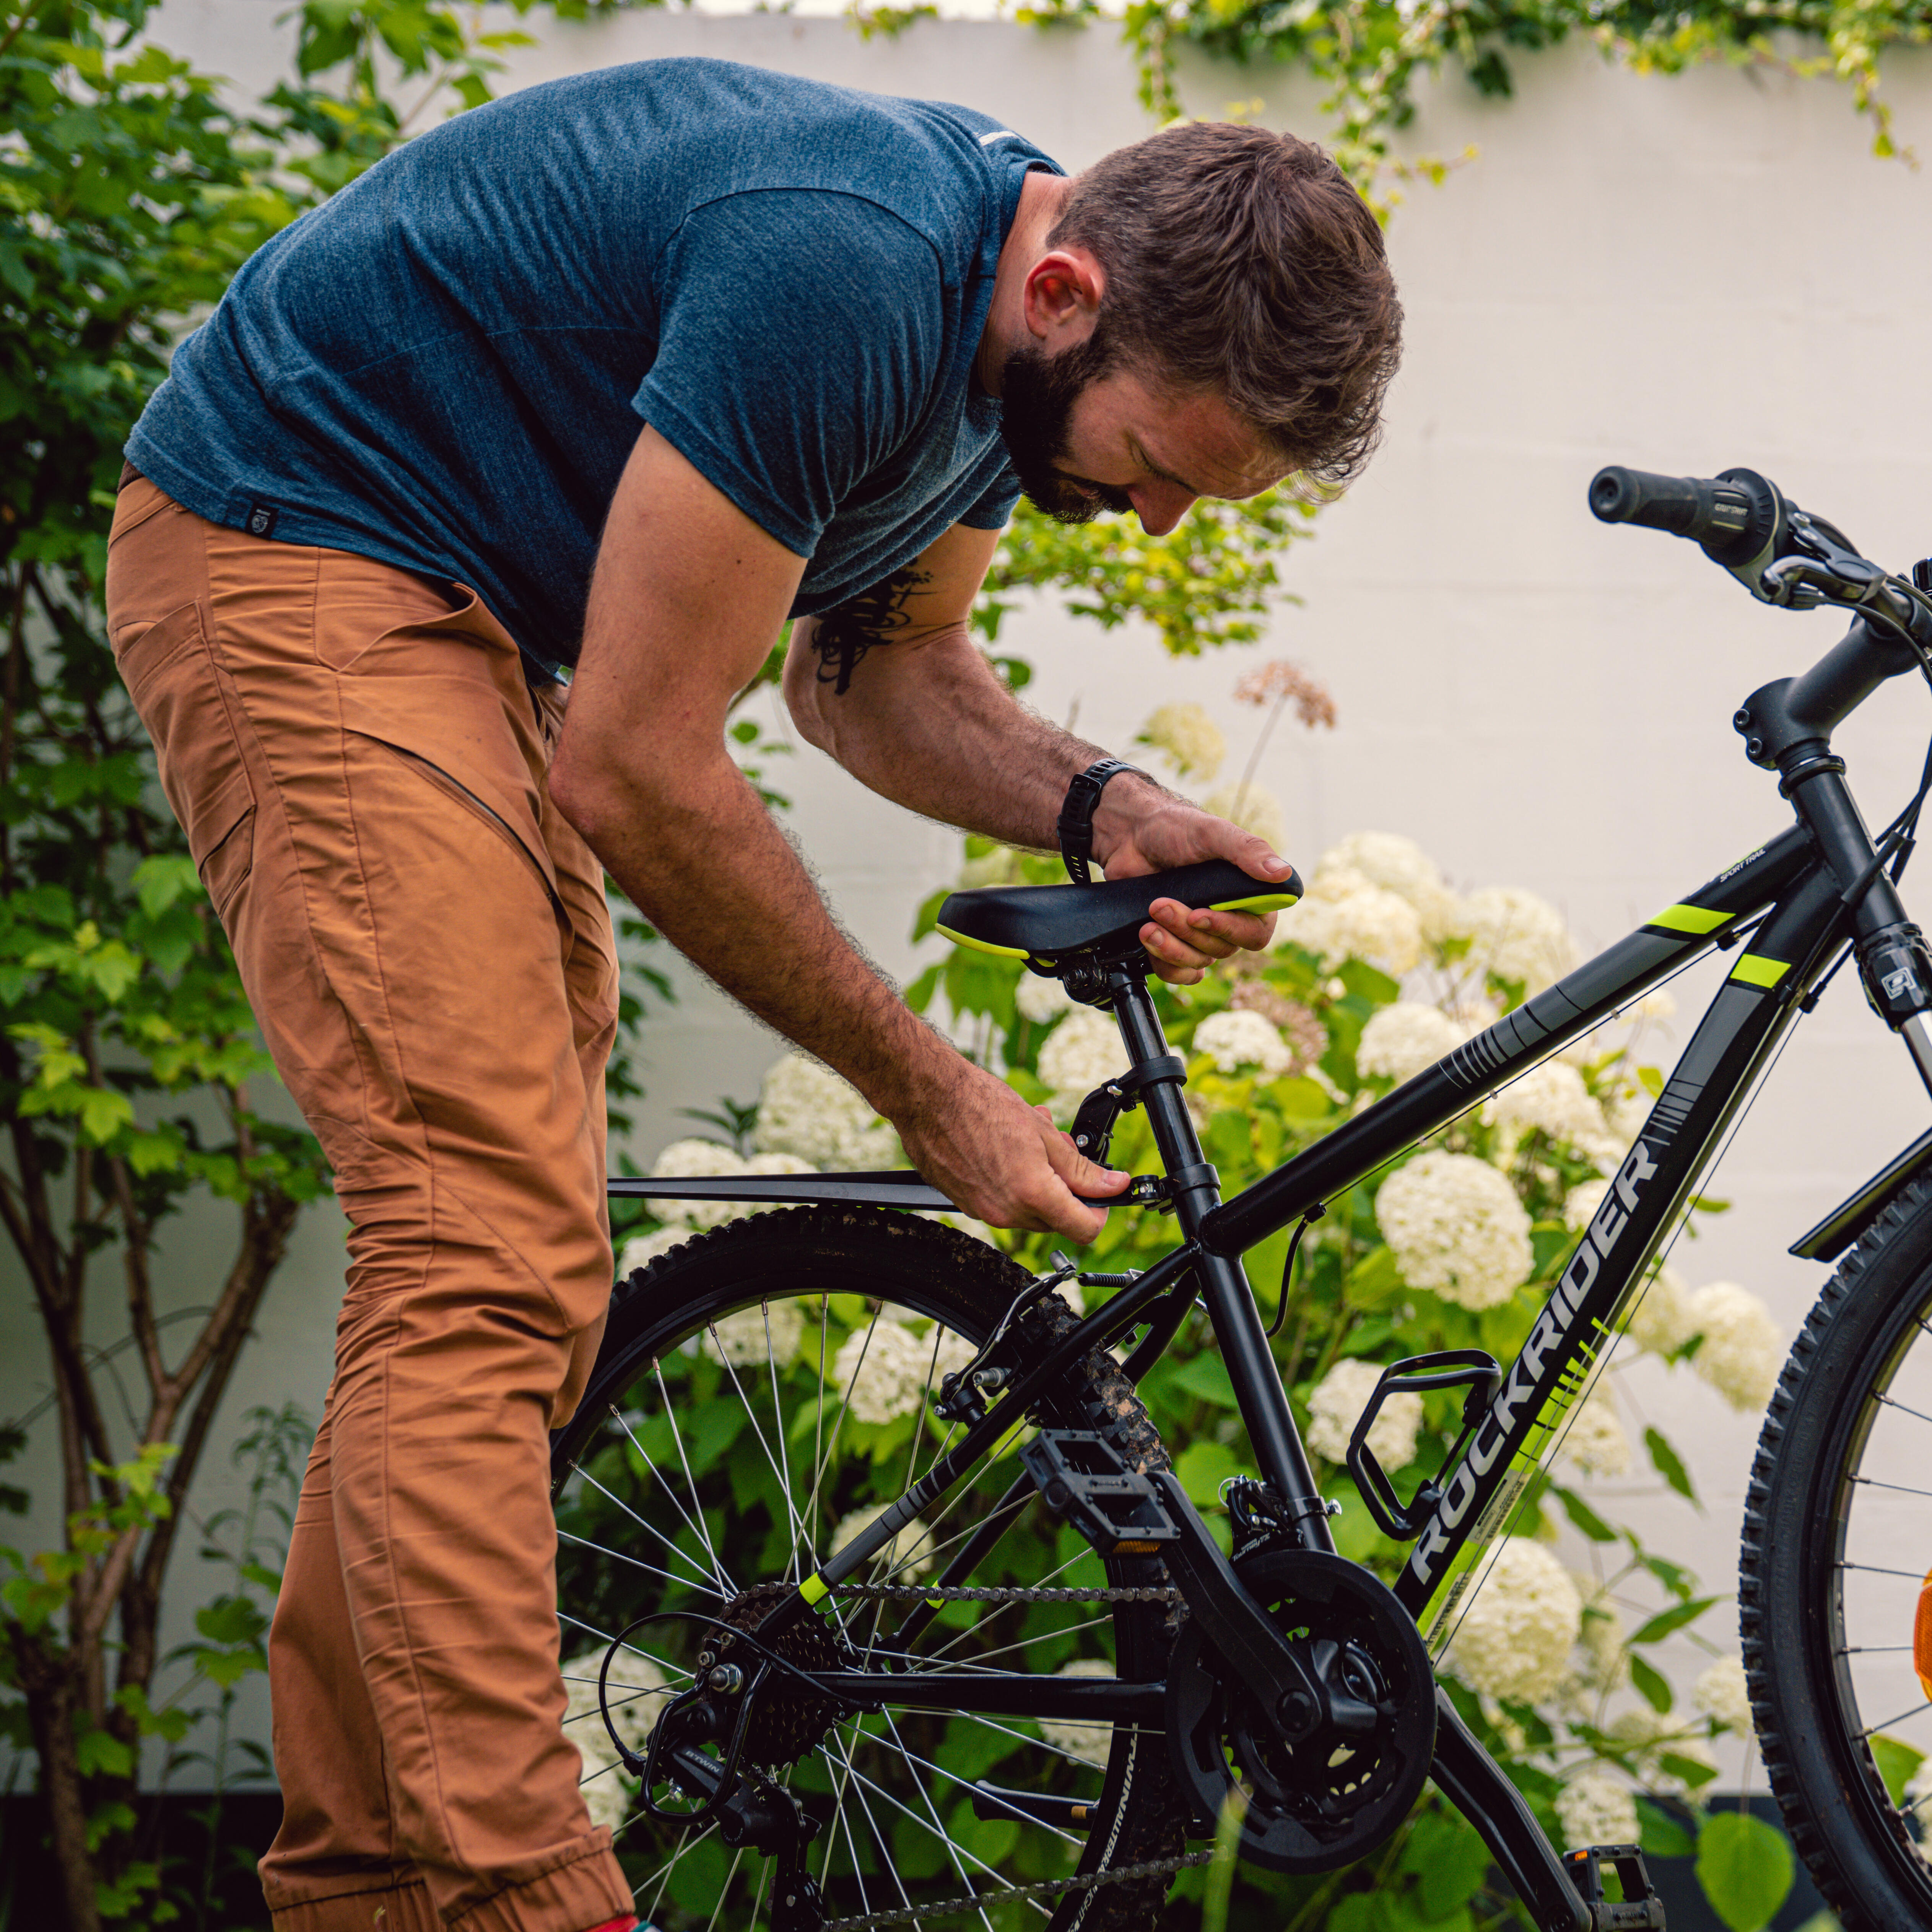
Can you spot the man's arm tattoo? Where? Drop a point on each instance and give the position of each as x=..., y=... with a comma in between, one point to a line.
x=846, y=632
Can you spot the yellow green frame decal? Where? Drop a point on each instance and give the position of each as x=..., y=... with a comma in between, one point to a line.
x=1755, y=969
x=1695, y=918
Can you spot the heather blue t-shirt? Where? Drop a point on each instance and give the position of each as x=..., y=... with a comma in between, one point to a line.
x=445, y=366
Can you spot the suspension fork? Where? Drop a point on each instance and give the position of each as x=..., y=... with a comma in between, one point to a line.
x=1196, y=1189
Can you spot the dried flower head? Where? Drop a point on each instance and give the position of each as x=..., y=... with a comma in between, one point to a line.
x=1281, y=681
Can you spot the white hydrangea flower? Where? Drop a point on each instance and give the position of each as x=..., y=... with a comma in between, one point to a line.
x=1624, y=1113
x=1237, y=1039
x=1344, y=917
x=1663, y=1320
x=1040, y=1000
x=1254, y=809
x=908, y=1556
x=774, y=1329
x=1515, y=1636
x=885, y=1370
x=1398, y=865
x=1190, y=739
x=1091, y=1743
x=1582, y=1202
x=806, y=1109
x=1400, y=1041
x=685, y=1160
x=1516, y=935
x=1457, y=1228
x=640, y=1250
x=1594, y=1808
x=1656, y=1005
x=1595, y=1443
x=1552, y=1100
x=634, y=1711
x=1081, y=1053
x=1335, y=1405
x=1720, y=1693
x=1740, y=1352
x=1601, y=1639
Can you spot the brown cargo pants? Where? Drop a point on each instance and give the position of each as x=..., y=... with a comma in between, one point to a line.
x=360, y=770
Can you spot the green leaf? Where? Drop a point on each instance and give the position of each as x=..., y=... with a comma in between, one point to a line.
x=1660, y=1834
x=1669, y=1464
x=1203, y=1467
x=1651, y=1683
x=1206, y=1375
x=1667, y=1623
x=1746, y=1869
x=1585, y=1518
x=1896, y=1761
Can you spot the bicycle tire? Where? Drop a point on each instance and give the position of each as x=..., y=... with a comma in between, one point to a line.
x=900, y=1777
x=1823, y=1501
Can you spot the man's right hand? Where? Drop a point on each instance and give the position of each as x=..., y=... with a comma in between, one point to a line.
x=978, y=1142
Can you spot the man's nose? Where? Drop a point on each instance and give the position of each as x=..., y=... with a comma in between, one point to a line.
x=1160, y=504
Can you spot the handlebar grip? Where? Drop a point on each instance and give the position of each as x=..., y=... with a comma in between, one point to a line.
x=1733, y=517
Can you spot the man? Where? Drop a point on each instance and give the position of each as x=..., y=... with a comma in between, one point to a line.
x=784, y=346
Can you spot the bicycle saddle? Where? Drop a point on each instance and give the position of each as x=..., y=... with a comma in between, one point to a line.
x=1047, y=925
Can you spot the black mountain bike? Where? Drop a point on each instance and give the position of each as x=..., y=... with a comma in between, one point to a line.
x=964, y=1706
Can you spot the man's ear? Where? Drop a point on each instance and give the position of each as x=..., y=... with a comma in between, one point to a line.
x=1060, y=299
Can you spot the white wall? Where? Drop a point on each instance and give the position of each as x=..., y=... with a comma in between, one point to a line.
x=1681, y=274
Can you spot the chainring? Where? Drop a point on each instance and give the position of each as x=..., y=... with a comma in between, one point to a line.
x=1334, y=1796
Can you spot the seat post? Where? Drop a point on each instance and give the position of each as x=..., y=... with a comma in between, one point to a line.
x=1196, y=1193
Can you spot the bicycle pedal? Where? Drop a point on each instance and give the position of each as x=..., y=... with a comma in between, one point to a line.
x=1080, y=1476
x=1639, y=1910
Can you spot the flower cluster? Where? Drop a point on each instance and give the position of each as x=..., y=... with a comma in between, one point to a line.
x=1234, y=1040
x=1335, y=1405
x=1595, y=1808
x=1738, y=1349
x=1090, y=1743
x=1081, y=1053
x=1190, y=740
x=906, y=1559
x=1254, y=809
x=632, y=1683
x=1552, y=1098
x=1595, y=1443
x=1721, y=1695
x=693, y=1159
x=1516, y=1635
x=1345, y=917
x=1456, y=1227
x=771, y=1331
x=1662, y=1319
x=885, y=1370
x=806, y=1110
x=1040, y=1000
x=1399, y=866
x=1401, y=1040
x=1516, y=935
x=1281, y=681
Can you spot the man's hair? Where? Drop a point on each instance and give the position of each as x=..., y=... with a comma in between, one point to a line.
x=1242, y=261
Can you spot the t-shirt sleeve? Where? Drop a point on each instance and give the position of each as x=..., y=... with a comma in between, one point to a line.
x=994, y=508
x=802, y=337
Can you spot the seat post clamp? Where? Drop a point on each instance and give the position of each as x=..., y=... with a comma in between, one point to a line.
x=1076, y=816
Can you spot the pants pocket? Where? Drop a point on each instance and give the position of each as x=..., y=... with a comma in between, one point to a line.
x=182, y=698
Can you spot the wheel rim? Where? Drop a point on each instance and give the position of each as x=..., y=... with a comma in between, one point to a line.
x=748, y=1431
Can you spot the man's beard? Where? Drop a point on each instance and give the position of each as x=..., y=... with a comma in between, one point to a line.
x=1037, y=393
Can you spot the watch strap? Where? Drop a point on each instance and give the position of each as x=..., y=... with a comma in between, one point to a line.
x=1076, y=815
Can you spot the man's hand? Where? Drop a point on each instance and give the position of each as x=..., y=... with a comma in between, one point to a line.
x=976, y=1141
x=1137, y=828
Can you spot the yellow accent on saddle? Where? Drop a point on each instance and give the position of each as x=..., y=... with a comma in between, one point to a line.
x=815, y=1589
x=1755, y=969
x=1261, y=902
x=983, y=945
x=1691, y=919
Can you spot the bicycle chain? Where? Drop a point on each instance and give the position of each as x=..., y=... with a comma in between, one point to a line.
x=974, y=1902
x=962, y=1593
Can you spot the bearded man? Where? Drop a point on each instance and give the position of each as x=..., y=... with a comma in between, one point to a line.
x=591, y=390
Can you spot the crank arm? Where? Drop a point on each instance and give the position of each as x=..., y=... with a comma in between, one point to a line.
x=1234, y=1622
x=1473, y=1783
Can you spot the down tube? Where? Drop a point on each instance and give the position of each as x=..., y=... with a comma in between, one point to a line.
x=1578, y=1324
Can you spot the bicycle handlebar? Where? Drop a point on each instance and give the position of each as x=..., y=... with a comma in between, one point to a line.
x=1735, y=517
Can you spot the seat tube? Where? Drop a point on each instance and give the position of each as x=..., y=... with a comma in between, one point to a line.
x=1237, y=1327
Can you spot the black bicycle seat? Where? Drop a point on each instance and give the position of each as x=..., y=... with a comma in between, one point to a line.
x=1045, y=925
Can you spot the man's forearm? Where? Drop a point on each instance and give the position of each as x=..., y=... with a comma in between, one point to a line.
x=942, y=736
x=704, y=862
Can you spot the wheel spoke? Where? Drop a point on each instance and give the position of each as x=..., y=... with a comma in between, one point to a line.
x=670, y=1412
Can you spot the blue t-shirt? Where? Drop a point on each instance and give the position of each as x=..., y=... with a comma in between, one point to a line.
x=444, y=367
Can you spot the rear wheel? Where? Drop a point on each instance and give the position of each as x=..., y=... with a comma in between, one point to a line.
x=1838, y=1542
x=761, y=1389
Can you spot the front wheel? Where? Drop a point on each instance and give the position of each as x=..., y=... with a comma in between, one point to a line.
x=1837, y=1543
x=761, y=1391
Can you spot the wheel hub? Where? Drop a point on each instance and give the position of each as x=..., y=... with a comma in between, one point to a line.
x=786, y=1719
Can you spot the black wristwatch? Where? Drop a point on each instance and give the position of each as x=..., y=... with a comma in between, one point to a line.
x=1076, y=815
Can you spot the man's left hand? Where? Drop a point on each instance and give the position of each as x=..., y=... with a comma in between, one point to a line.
x=1139, y=828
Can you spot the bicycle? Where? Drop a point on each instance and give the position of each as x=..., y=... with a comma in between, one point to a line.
x=814, y=1727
